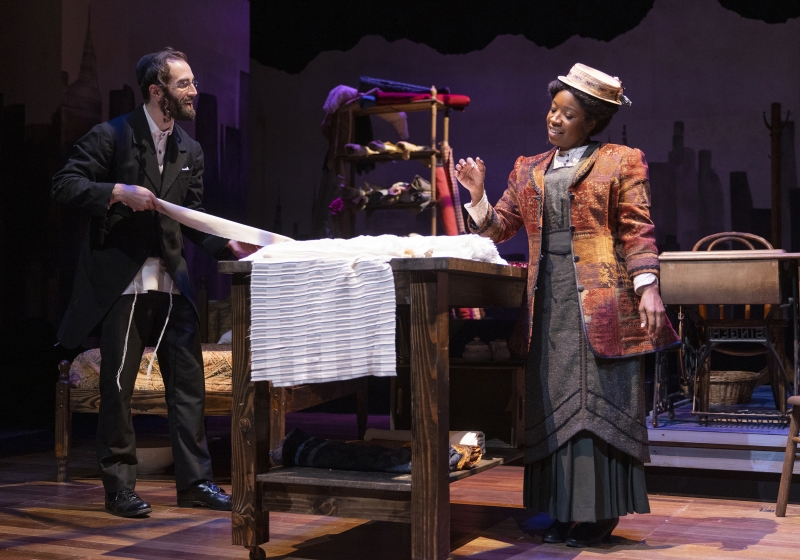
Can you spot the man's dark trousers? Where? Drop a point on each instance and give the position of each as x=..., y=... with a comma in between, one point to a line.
x=181, y=363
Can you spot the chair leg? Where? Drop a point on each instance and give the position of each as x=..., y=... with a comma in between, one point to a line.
x=788, y=463
x=63, y=421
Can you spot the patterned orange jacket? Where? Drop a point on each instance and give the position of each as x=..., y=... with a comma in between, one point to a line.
x=612, y=241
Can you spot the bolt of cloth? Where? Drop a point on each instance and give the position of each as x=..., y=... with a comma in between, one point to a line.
x=220, y=226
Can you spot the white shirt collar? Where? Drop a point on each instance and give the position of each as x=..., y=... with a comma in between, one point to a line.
x=569, y=158
x=153, y=126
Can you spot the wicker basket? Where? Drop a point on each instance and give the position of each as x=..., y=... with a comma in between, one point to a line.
x=732, y=387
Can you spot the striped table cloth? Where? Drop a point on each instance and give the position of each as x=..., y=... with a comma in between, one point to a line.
x=315, y=320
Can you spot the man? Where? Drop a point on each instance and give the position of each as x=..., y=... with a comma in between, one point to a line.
x=132, y=280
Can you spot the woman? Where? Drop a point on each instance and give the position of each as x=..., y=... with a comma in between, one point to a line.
x=593, y=270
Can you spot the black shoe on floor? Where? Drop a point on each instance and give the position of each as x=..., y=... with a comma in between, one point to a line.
x=557, y=532
x=126, y=503
x=206, y=494
x=590, y=534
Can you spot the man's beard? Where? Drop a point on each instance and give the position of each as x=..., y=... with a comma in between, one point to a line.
x=174, y=109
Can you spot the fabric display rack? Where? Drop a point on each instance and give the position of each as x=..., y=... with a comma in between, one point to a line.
x=346, y=157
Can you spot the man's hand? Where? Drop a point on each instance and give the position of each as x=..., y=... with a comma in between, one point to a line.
x=241, y=249
x=651, y=310
x=134, y=197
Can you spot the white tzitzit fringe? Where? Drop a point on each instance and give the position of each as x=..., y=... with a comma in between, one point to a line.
x=164, y=328
x=127, y=332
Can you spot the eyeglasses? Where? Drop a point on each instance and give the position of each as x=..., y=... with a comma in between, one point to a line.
x=183, y=84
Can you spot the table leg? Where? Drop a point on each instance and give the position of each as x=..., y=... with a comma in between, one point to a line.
x=430, y=403
x=250, y=428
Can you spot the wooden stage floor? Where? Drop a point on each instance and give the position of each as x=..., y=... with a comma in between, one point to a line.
x=42, y=519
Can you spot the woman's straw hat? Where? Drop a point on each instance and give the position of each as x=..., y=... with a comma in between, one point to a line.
x=596, y=83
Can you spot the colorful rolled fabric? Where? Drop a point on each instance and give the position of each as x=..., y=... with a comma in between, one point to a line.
x=366, y=83
x=452, y=100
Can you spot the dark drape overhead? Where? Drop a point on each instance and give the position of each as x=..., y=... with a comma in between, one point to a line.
x=288, y=35
x=770, y=11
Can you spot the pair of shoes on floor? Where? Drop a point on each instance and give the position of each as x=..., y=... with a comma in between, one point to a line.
x=590, y=534
x=205, y=494
x=126, y=503
x=557, y=532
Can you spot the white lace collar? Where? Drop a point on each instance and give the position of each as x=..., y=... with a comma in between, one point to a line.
x=569, y=158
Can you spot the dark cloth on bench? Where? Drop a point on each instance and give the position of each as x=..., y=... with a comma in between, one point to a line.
x=302, y=450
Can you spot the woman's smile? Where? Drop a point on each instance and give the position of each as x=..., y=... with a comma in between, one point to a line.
x=567, y=126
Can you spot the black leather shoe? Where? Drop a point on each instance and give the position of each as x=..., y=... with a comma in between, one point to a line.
x=206, y=494
x=126, y=503
x=590, y=534
x=557, y=532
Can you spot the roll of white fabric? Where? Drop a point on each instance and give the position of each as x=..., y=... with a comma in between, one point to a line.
x=219, y=226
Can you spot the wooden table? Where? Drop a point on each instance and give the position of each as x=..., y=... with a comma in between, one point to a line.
x=430, y=287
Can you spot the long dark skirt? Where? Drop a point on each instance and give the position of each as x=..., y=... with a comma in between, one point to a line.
x=586, y=480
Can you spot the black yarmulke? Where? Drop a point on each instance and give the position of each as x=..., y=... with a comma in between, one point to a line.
x=143, y=65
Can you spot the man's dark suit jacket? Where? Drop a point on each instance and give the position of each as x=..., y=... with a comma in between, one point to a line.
x=119, y=240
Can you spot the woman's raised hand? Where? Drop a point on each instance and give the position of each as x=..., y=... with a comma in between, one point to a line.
x=470, y=174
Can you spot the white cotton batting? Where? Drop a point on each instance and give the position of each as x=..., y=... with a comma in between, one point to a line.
x=471, y=246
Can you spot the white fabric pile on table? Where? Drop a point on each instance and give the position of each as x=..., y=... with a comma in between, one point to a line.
x=387, y=247
x=324, y=310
